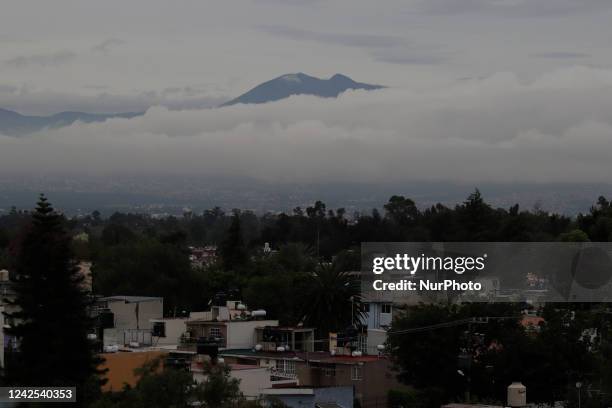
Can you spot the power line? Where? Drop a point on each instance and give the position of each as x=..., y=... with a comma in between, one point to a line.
x=454, y=323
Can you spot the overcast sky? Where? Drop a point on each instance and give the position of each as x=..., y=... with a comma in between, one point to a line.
x=118, y=55
x=501, y=90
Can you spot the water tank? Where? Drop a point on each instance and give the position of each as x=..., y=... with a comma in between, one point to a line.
x=517, y=395
x=258, y=313
x=280, y=349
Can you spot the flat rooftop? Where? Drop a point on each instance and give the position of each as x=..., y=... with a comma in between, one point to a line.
x=313, y=356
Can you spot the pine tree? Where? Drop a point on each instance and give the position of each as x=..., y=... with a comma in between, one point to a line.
x=233, y=250
x=51, y=320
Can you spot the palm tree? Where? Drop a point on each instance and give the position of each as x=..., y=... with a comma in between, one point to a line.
x=332, y=299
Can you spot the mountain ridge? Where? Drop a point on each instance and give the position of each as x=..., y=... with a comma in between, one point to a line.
x=15, y=124
x=299, y=83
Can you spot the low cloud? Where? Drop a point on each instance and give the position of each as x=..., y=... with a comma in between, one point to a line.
x=42, y=60
x=105, y=46
x=512, y=8
x=561, y=55
x=498, y=129
x=45, y=102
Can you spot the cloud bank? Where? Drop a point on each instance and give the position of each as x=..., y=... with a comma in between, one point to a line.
x=556, y=128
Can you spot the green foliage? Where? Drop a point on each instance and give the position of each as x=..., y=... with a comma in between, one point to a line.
x=233, y=251
x=149, y=267
x=494, y=354
x=219, y=390
x=275, y=403
x=402, y=399
x=574, y=236
x=332, y=299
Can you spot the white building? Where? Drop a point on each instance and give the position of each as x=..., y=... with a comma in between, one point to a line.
x=377, y=315
x=131, y=318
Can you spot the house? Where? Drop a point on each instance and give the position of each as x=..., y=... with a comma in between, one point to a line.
x=377, y=314
x=376, y=320
x=371, y=377
x=227, y=334
x=127, y=319
x=85, y=272
x=312, y=397
x=271, y=338
x=228, y=323
x=7, y=291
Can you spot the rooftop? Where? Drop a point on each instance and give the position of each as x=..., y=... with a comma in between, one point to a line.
x=313, y=356
x=213, y=322
x=130, y=299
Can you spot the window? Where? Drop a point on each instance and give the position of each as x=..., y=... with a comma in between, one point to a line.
x=386, y=308
x=365, y=307
x=214, y=332
x=363, y=343
x=329, y=371
x=356, y=373
x=159, y=329
x=286, y=366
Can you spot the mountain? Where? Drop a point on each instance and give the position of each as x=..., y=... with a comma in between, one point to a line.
x=299, y=84
x=16, y=124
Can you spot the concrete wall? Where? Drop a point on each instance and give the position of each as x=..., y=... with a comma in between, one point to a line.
x=112, y=337
x=252, y=380
x=241, y=334
x=121, y=367
x=174, y=329
x=376, y=337
x=136, y=315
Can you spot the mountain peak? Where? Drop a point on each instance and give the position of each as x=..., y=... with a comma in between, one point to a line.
x=299, y=83
x=294, y=78
x=341, y=77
